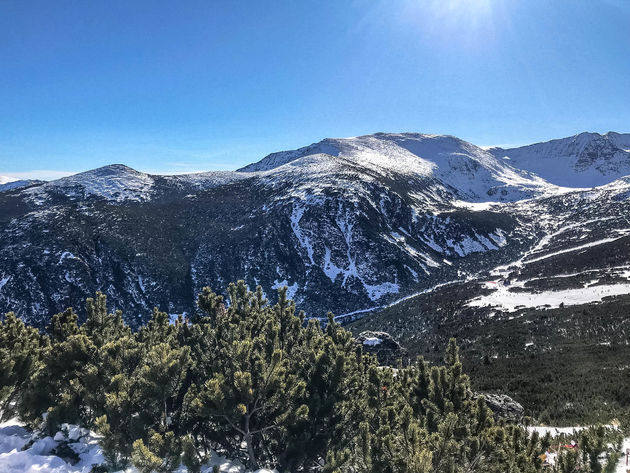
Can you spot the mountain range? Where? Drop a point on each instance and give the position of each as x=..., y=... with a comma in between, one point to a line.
x=349, y=225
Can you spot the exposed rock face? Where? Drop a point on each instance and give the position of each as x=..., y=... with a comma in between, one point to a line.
x=503, y=406
x=381, y=344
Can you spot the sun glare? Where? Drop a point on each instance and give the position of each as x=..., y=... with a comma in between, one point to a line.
x=453, y=23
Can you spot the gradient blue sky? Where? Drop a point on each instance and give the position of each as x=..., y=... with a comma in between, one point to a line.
x=199, y=85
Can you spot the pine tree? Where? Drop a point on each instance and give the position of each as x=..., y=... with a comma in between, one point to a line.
x=63, y=325
x=159, y=381
x=58, y=388
x=161, y=454
x=21, y=349
x=252, y=391
x=296, y=395
x=122, y=408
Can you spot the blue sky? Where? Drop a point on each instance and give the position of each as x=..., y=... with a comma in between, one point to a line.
x=201, y=85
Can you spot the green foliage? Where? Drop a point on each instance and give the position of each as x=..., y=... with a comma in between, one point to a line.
x=584, y=377
x=190, y=457
x=260, y=384
x=599, y=451
x=21, y=348
x=161, y=455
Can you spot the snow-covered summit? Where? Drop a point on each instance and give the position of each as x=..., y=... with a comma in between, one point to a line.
x=460, y=167
x=583, y=160
x=115, y=182
x=446, y=166
x=11, y=183
x=379, y=148
x=119, y=183
x=19, y=184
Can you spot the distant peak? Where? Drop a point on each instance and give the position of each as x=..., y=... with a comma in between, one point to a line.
x=13, y=184
x=114, y=182
x=115, y=168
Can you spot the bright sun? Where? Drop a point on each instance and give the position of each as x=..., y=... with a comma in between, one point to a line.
x=455, y=23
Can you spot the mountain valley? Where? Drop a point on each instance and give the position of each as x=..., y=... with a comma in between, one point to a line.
x=422, y=236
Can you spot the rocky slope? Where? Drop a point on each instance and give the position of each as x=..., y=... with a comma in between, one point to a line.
x=347, y=224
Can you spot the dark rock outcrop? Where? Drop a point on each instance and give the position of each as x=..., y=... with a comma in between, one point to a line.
x=503, y=406
x=381, y=344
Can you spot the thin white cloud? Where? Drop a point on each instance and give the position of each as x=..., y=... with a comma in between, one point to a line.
x=5, y=179
x=41, y=174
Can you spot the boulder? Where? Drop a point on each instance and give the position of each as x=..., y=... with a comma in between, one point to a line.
x=381, y=344
x=503, y=406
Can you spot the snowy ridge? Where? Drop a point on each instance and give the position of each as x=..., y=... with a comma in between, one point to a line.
x=118, y=183
x=12, y=183
x=583, y=160
x=115, y=182
x=347, y=224
x=467, y=172
x=461, y=168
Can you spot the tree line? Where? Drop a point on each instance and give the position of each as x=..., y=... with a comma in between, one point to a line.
x=261, y=384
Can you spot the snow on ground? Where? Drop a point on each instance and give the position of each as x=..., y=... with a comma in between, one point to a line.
x=503, y=298
x=291, y=288
x=622, y=466
x=357, y=314
x=376, y=291
x=115, y=182
x=579, y=247
x=555, y=431
x=38, y=457
x=535, y=253
x=305, y=242
x=4, y=280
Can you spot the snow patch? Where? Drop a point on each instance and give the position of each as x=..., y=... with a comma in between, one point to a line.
x=4, y=280
x=66, y=255
x=466, y=246
x=291, y=289
x=376, y=291
x=511, y=301
x=305, y=242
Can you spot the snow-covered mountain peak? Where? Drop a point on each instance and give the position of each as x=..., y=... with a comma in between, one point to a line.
x=115, y=182
x=11, y=183
x=352, y=147
x=275, y=160
x=448, y=165
x=345, y=223
x=455, y=165
x=583, y=160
